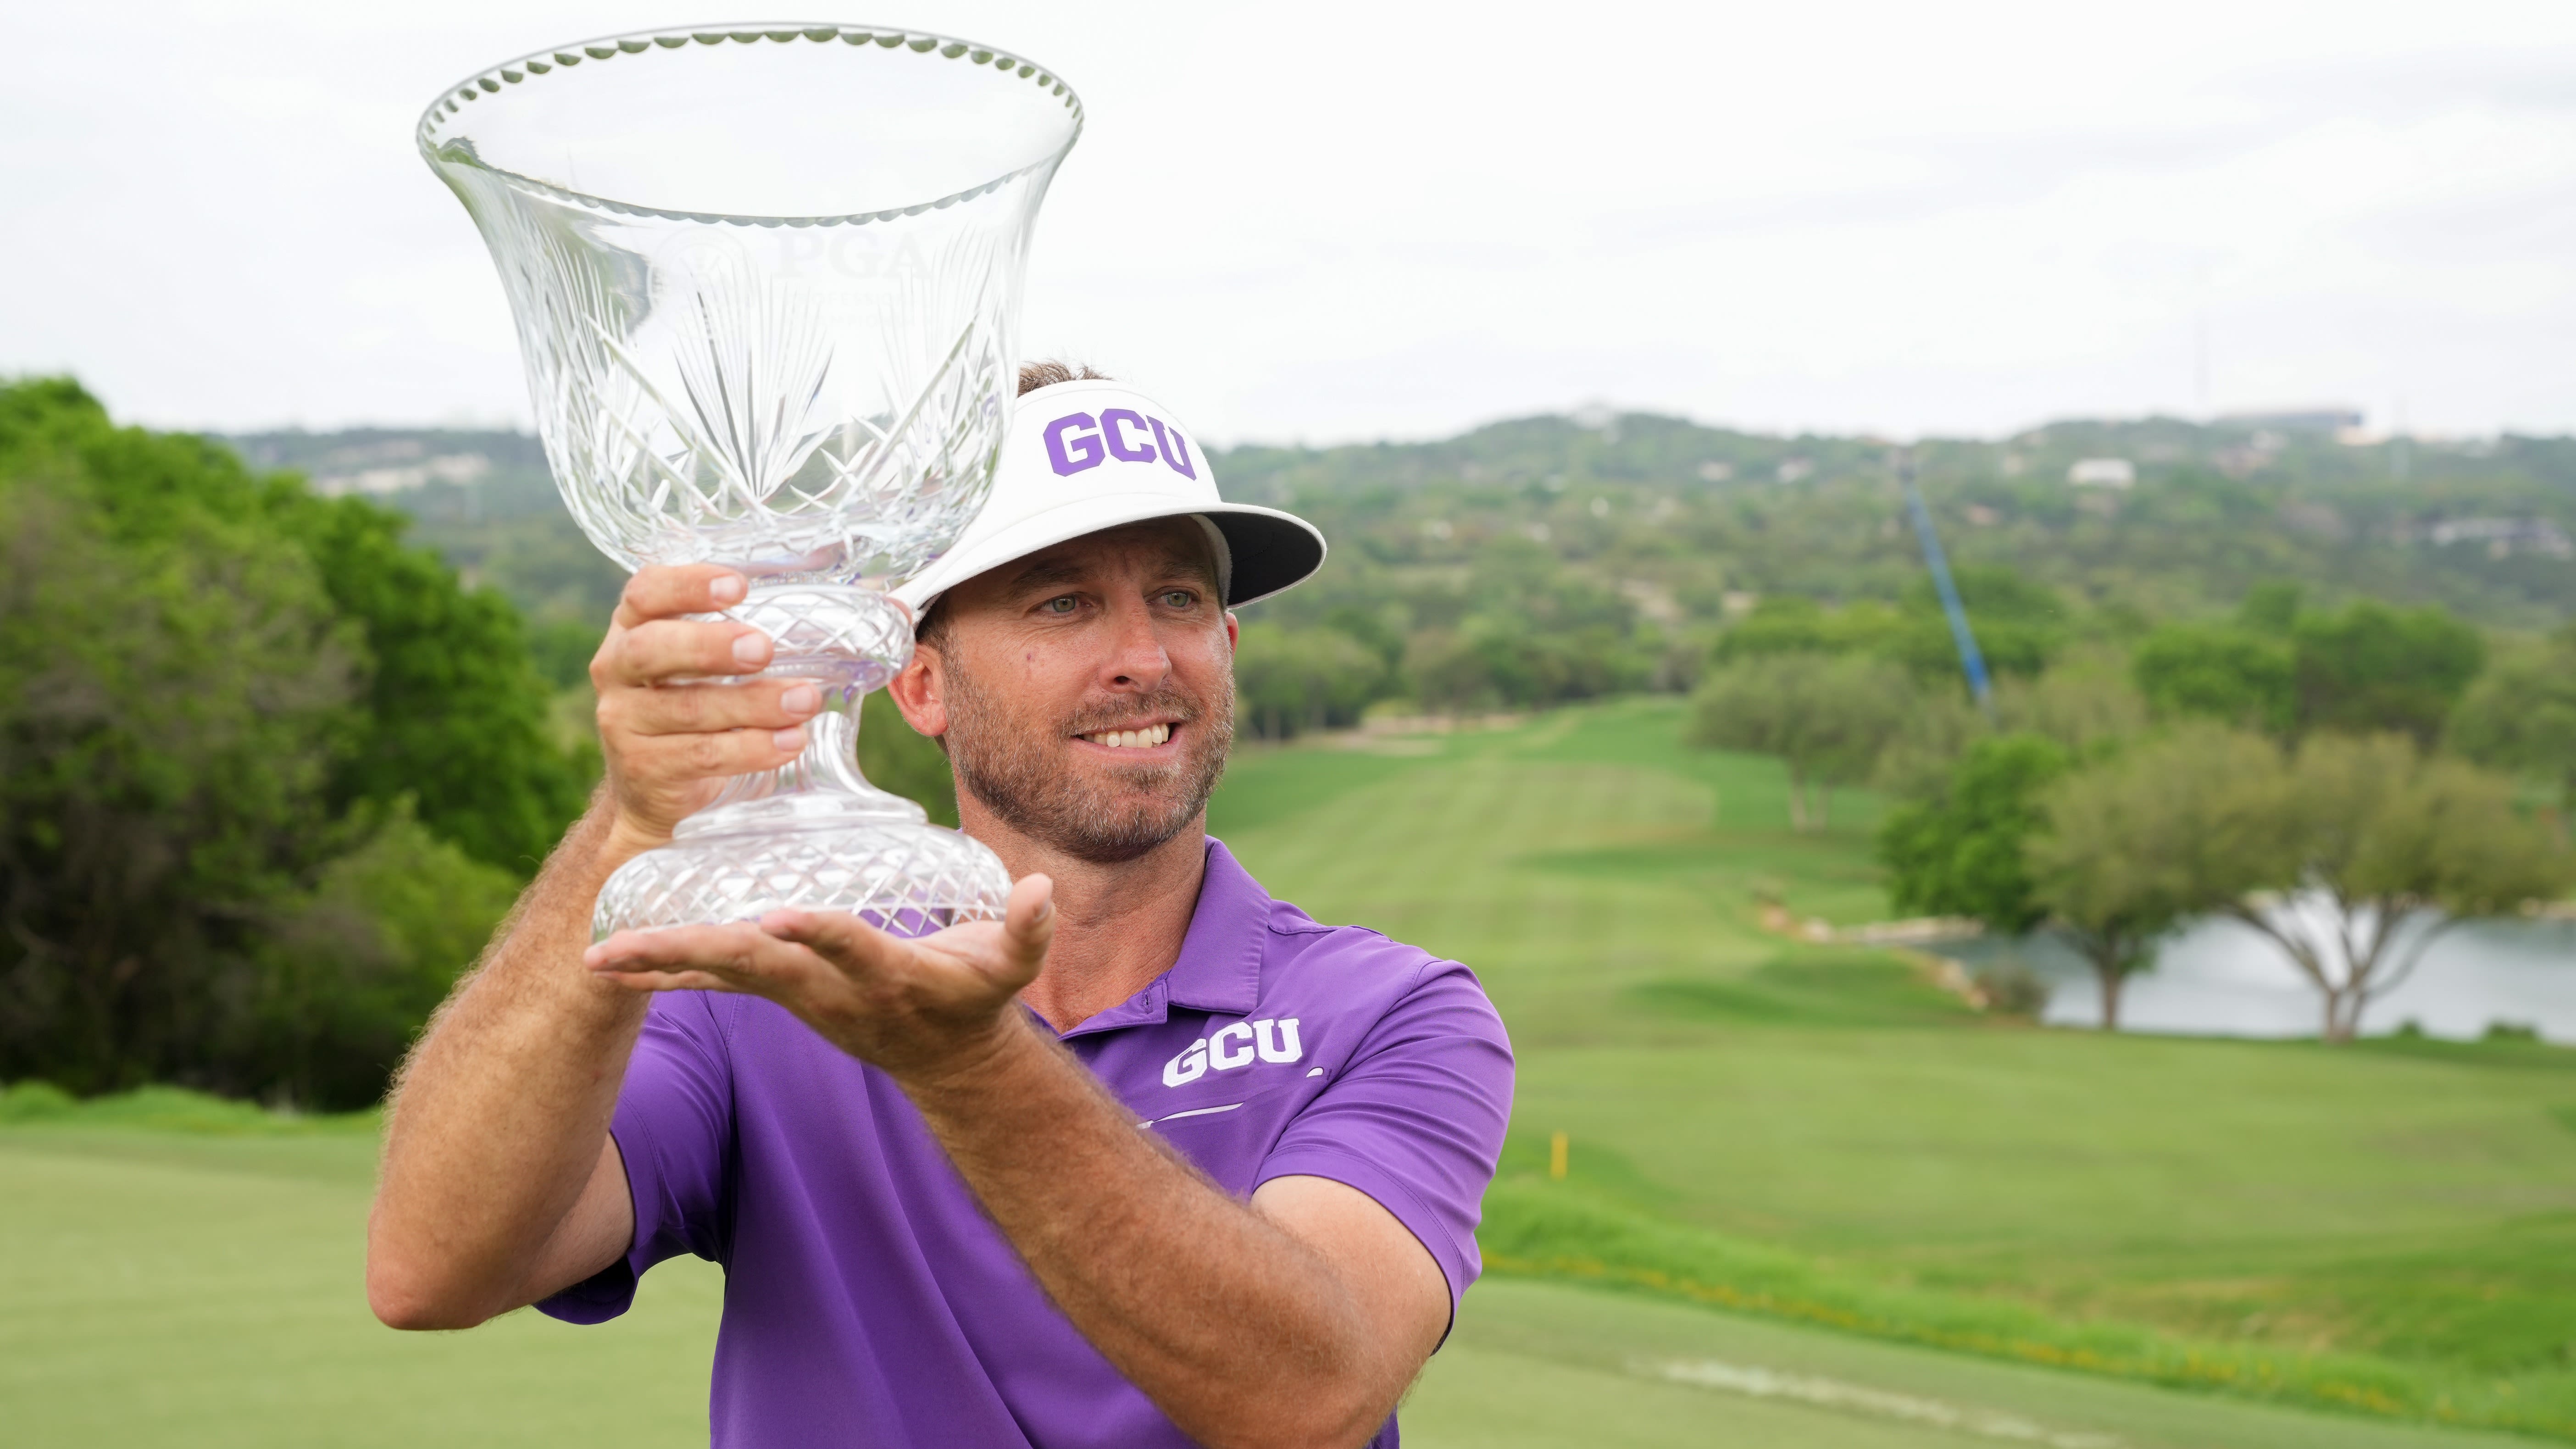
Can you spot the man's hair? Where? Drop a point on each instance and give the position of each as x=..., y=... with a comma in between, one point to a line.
x=933, y=629
x=1035, y=375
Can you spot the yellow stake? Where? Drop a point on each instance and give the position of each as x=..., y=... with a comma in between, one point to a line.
x=1556, y=1157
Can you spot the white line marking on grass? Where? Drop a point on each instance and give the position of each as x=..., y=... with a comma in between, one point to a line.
x=1762, y=1383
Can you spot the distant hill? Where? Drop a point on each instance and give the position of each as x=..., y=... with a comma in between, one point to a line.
x=2182, y=517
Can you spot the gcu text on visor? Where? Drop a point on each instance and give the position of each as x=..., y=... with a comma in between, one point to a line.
x=1079, y=441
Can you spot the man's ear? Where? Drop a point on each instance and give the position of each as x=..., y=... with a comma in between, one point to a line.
x=1233, y=630
x=920, y=692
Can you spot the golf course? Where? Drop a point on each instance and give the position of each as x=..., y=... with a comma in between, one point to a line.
x=1809, y=1197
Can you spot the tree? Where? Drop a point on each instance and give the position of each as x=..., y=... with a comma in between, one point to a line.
x=1789, y=624
x=453, y=712
x=1963, y=854
x=2084, y=702
x=2107, y=864
x=219, y=699
x=2374, y=668
x=2020, y=625
x=350, y=969
x=456, y=711
x=2377, y=849
x=2352, y=855
x=1827, y=718
x=2520, y=716
x=2213, y=671
x=1288, y=680
x=169, y=714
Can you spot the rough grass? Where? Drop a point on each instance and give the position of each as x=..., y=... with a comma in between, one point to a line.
x=1539, y=1230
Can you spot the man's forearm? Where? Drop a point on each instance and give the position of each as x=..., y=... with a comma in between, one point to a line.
x=497, y=1121
x=1237, y=1330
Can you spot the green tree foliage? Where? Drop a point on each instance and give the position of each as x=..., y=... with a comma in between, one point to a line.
x=2221, y=672
x=2019, y=624
x=2084, y=702
x=1789, y=624
x=169, y=710
x=2106, y=863
x=2520, y=716
x=2390, y=847
x=2373, y=667
x=1963, y=853
x=257, y=762
x=456, y=716
x=1828, y=718
x=2350, y=855
x=901, y=762
x=1291, y=680
x=351, y=968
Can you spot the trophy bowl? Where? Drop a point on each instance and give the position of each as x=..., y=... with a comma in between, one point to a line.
x=766, y=280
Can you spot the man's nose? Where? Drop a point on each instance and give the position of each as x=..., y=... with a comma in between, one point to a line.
x=1136, y=656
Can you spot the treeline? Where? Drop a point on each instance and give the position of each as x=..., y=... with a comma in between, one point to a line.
x=1513, y=628
x=2347, y=782
x=268, y=774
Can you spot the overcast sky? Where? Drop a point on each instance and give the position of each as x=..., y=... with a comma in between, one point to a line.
x=1331, y=222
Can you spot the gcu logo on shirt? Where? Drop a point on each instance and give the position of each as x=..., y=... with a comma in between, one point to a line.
x=1235, y=1046
x=1079, y=441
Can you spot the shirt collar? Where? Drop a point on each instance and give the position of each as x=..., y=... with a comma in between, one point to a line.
x=1219, y=970
x=1220, y=966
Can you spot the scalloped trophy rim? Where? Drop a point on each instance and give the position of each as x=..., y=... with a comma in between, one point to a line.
x=538, y=63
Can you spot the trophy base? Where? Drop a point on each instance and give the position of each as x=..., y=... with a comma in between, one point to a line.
x=871, y=854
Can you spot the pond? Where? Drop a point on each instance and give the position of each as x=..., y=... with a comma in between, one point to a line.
x=2219, y=978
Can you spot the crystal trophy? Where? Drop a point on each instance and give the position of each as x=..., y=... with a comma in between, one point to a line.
x=766, y=280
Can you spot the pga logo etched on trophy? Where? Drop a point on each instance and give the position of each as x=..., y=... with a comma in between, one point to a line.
x=794, y=359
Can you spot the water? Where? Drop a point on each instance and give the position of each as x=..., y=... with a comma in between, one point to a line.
x=2218, y=978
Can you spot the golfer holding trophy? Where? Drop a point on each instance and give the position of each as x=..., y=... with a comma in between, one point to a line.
x=1059, y=1131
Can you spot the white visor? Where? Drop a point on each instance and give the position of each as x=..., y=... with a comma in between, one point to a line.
x=1085, y=456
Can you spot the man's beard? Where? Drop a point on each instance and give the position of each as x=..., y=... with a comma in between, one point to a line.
x=1003, y=762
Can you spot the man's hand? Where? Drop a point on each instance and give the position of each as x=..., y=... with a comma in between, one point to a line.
x=670, y=743
x=921, y=1011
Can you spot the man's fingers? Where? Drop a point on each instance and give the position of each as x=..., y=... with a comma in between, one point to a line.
x=664, y=591
x=664, y=649
x=708, y=756
x=1028, y=923
x=737, y=957
x=837, y=936
x=670, y=981
x=692, y=709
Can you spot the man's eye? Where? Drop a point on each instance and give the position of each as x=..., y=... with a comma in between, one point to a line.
x=1180, y=599
x=1063, y=605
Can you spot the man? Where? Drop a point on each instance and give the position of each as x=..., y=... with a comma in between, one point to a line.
x=1154, y=1160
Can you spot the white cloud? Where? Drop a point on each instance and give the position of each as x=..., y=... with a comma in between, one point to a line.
x=1340, y=221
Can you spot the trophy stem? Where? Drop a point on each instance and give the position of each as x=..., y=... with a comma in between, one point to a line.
x=822, y=784
x=814, y=833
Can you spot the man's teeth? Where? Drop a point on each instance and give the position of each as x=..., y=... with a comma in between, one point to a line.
x=1144, y=739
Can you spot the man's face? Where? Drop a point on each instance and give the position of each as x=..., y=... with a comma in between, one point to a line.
x=1088, y=690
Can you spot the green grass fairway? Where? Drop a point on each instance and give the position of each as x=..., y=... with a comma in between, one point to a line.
x=2416, y=1204
x=176, y=1289
x=201, y=1288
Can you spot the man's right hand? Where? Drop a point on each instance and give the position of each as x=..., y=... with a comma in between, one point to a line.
x=670, y=746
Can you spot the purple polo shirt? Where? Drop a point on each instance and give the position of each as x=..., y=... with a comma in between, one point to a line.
x=868, y=1300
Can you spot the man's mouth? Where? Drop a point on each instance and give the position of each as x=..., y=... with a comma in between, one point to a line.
x=1143, y=738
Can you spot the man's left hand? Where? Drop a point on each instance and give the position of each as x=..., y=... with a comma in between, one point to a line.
x=918, y=1009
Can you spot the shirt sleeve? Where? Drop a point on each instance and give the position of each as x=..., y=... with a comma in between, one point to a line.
x=1415, y=1118
x=674, y=1119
